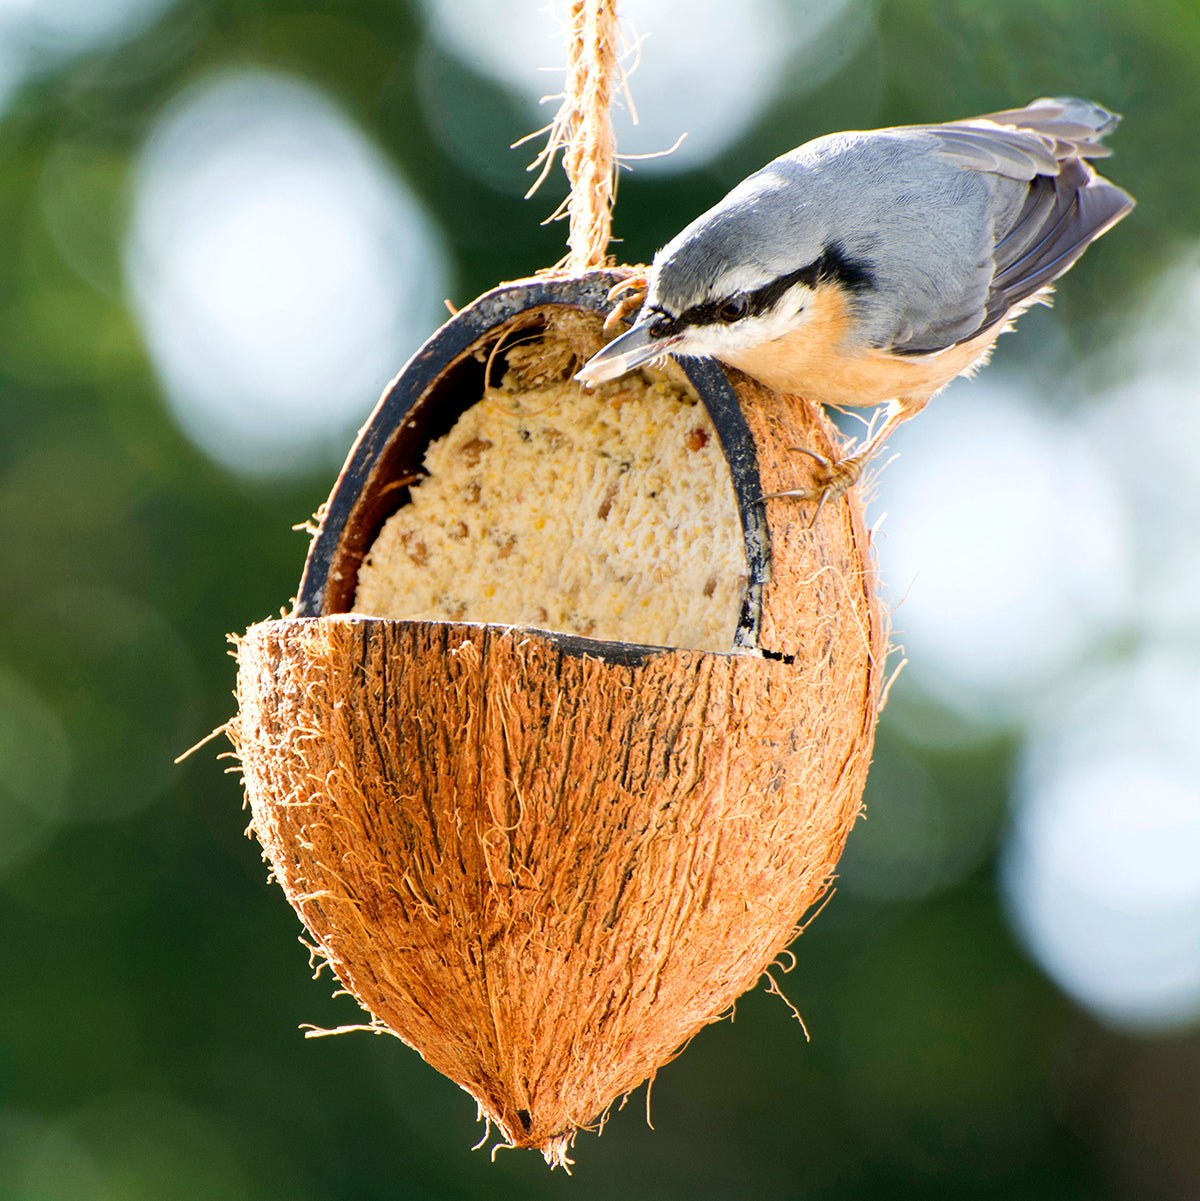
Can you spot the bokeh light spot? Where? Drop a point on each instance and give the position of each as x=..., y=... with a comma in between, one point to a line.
x=57, y=1167
x=35, y=763
x=1100, y=871
x=123, y=684
x=916, y=839
x=1147, y=426
x=280, y=269
x=708, y=69
x=77, y=25
x=1004, y=549
x=38, y=34
x=138, y=1140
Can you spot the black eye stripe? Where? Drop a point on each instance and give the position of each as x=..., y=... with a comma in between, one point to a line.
x=834, y=266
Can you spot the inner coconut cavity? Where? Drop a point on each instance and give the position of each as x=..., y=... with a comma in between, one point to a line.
x=607, y=514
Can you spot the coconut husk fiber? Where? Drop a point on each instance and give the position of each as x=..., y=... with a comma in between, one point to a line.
x=543, y=862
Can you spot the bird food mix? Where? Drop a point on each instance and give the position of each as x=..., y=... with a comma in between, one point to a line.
x=606, y=514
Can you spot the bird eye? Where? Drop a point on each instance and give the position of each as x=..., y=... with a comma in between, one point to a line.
x=735, y=309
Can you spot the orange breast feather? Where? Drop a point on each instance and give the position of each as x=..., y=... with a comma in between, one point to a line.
x=813, y=361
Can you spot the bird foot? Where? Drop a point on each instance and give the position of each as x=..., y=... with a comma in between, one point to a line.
x=831, y=478
x=635, y=285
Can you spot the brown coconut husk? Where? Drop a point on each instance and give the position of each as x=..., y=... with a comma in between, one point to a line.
x=546, y=863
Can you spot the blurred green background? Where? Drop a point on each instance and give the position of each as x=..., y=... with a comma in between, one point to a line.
x=193, y=194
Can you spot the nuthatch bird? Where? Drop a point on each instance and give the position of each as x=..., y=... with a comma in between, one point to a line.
x=872, y=268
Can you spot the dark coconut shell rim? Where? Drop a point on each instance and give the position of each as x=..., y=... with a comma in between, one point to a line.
x=439, y=383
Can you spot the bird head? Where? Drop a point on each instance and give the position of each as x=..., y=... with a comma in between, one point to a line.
x=745, y=273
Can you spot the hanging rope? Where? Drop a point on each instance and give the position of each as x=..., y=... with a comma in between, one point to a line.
x=583, y=130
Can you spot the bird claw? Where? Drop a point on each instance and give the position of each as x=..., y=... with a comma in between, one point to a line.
x=831, y=478
x=635, y=285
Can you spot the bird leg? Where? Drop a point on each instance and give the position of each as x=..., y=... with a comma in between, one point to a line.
x=635, y=285
x=832, y=477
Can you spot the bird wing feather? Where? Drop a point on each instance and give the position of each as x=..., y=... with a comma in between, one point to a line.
x=1066, y=205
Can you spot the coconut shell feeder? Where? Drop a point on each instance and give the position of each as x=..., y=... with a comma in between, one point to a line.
x=542, y=858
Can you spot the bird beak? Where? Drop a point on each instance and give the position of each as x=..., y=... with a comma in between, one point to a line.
x=630, y=350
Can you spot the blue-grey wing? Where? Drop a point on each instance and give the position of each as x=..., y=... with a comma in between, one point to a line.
x=1048, y=206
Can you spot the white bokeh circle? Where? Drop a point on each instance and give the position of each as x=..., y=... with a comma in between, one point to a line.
x=1100, y=870
x=1004, y=551
x=698, y=68
x=281, y=270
